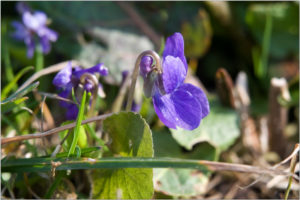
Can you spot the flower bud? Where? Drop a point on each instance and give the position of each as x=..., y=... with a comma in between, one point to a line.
x=145, y=65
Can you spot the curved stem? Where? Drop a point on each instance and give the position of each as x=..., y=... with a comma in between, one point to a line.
x=45, y=71
x=135, y=73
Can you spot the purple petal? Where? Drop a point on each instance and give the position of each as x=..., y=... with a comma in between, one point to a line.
x=30, y=21
x=173, y=74
x=30, y=46
x=179, y=108
x=175, y=47
x=41, y=17
x=65, y=93
x=72, y=112
x=125, y=73
x=48, y=33
x=164, y=109
x=199, y=95
x=136, y=107
x=63, y=77
x=88, y=86
x=99, y=68
x=20, y=31
x=145, y=65
x=46, y=46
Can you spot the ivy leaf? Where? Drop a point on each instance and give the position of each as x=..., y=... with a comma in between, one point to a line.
x=131, y=137
x=220, y=128
x=180, y=182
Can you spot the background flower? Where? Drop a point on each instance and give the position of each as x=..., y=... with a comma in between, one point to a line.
x=33, y=27
x=66, y=79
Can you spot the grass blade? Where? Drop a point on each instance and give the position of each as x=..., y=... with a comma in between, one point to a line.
x=46, y=164
x=78, y=124
x=13, y=83
x=21, y=93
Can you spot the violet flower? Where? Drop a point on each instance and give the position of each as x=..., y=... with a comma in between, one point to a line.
x=176, y=103
x=33, y=28
x=69, y=78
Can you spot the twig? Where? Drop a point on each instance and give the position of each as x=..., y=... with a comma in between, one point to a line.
x=116, y=107
x=225, y=88
x=140, y=22
x=29, y=188
x=58, y=147
x=52, y=131
x=277, y=118
x=55, y=96
x=292, y=170
x=293, y=154
x=45, y=71
x=42, y=113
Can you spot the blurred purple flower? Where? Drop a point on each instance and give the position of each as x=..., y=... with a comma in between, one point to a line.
x=33, y=27
x=66, y=79
x=176, y=103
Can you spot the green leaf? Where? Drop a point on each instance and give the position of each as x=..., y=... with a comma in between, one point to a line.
x=82, y=138
x=39, y=164
x=13, y=83
x=131, y=137
x=285, y=30
x=93, y=135
x=78, y=124
x=86, y=152
x=180, y=182
x=12, y=104
x=21, y=93
x=197, y=35
x=220, y=128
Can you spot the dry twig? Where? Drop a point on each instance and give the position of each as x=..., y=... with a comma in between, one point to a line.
x=52, y=131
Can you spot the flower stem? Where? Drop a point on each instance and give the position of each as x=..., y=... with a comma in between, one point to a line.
x=135, y=74
x=39, y=59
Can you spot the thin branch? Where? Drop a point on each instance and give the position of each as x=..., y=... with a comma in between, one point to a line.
x=292, y=170
x=45, y=71
x=117, y=105
x=52, y=131
x=57, y=97
x=42, y=113
x=140, y=22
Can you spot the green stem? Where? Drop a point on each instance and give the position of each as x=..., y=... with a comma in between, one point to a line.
x=78, y=124
x=46, y=164
x=39, y=59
